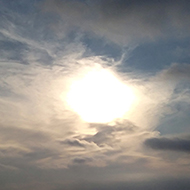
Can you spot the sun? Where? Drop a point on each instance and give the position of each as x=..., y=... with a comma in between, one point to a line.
x=100, y=97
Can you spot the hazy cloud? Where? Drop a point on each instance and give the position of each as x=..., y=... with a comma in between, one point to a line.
x=124, y=20
x=81, y=160
x=176, y=72
x=44, y=48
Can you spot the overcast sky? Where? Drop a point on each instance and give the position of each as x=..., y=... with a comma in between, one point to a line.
x=45, y=46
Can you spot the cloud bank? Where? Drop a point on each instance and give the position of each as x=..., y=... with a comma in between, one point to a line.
x=173, y=144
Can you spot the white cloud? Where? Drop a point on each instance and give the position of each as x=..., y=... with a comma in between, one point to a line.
x=35, y=109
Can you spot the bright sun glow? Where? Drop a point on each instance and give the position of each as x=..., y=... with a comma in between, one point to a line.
x=99, y=97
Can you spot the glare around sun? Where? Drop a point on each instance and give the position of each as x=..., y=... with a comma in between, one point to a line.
x=100, y=97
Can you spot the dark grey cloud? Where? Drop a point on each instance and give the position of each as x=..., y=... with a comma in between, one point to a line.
x=106, y=134
x=174, y=144
x=73, y=142
x=125, y=20
x=101, y=136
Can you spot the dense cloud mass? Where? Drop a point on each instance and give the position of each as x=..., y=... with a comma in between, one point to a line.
x=47, y=46
x=174, y=144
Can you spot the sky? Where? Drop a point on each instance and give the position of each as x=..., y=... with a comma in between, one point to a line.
x=94, y=94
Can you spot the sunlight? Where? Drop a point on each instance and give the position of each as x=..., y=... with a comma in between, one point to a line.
x=99, y=97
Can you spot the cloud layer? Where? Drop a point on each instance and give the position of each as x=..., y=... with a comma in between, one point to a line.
x=46, y=46
x=124, y=21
